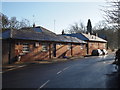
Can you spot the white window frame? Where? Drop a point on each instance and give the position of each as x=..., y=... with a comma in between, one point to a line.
x=37, y=44
x=26, y=48
x=44, y=47
x=69, y=46
x=81, y=46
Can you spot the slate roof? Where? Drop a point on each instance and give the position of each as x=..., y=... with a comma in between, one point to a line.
x=39, y=34
x=5, y=34
x=86, y=37
x=94, y=38
x=70, y=39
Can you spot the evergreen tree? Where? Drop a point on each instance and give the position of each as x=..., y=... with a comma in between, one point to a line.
x=89, y=27
x=63, y=32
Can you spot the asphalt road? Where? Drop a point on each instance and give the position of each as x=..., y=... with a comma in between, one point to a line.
x=89, y=72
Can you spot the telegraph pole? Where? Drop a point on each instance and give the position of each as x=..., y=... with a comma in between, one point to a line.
x=33, y=20
x=54, y=25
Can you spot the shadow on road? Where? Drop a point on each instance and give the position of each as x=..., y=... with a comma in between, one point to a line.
x=113, y=80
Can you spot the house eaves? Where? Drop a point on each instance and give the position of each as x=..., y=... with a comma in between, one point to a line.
x=38, y=34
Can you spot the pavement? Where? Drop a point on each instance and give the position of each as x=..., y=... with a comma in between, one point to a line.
x=19, y=64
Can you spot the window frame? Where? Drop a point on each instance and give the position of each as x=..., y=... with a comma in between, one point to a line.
x=44, y=47
x=26, y=48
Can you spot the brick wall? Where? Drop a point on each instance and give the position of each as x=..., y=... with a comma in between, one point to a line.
x=8, y=54
x=62, y=50
x=36, y=53
x=95, y=45
x=5, y=52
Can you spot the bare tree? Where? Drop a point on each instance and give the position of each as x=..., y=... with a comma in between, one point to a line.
x=108, y=33
x=77, y=28
x=112, y=15
x=14, y=23
x=82, y=27
x=24, y=23
x=4, y=22
x=101, y=25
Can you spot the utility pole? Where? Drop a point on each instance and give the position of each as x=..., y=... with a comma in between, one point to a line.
x=54, y=25
x=33, y=20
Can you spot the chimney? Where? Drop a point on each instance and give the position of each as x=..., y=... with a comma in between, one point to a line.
x=96, y=35
x=33, y=24
x=88, y=34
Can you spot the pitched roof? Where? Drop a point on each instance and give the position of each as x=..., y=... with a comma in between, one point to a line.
x=94, y=38
x=37, y=33
x=5, y=34
x=87, y=37
x=71, y=39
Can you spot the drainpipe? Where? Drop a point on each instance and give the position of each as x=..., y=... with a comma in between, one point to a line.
x=71, y=50
x=50, y=51
x=9, y=47
x=9, y=58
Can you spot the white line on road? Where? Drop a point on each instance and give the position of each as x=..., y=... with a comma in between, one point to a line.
x=14, y=68
x=104, y=62
x=66, y=68
x=43, y=85
x=11, y=69
x=22, y=66
x=59, y=72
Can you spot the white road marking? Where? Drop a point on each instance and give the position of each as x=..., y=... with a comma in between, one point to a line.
x=11, y=69
x=59, y=72
x=14, y=68
x=43, y=84
x=104, y=62
x=66, y=68
x=22, y=66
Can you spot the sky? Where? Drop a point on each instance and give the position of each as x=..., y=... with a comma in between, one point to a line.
x=55, y=16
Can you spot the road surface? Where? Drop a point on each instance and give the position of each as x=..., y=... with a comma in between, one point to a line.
x=88, y=72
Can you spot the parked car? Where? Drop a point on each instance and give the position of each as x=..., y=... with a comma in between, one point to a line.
x=97, y=52
x=104, y=51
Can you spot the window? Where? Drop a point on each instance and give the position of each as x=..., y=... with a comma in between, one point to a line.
x=25, y=48
x=59, y=44
x=37, y=44
x=17, y=43
x=44, y=47
x=82, y=46
x=69, y=46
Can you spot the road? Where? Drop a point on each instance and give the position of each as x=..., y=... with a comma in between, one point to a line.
x=88, y=72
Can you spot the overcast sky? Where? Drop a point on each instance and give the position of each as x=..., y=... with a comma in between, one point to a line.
x=64, y=13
